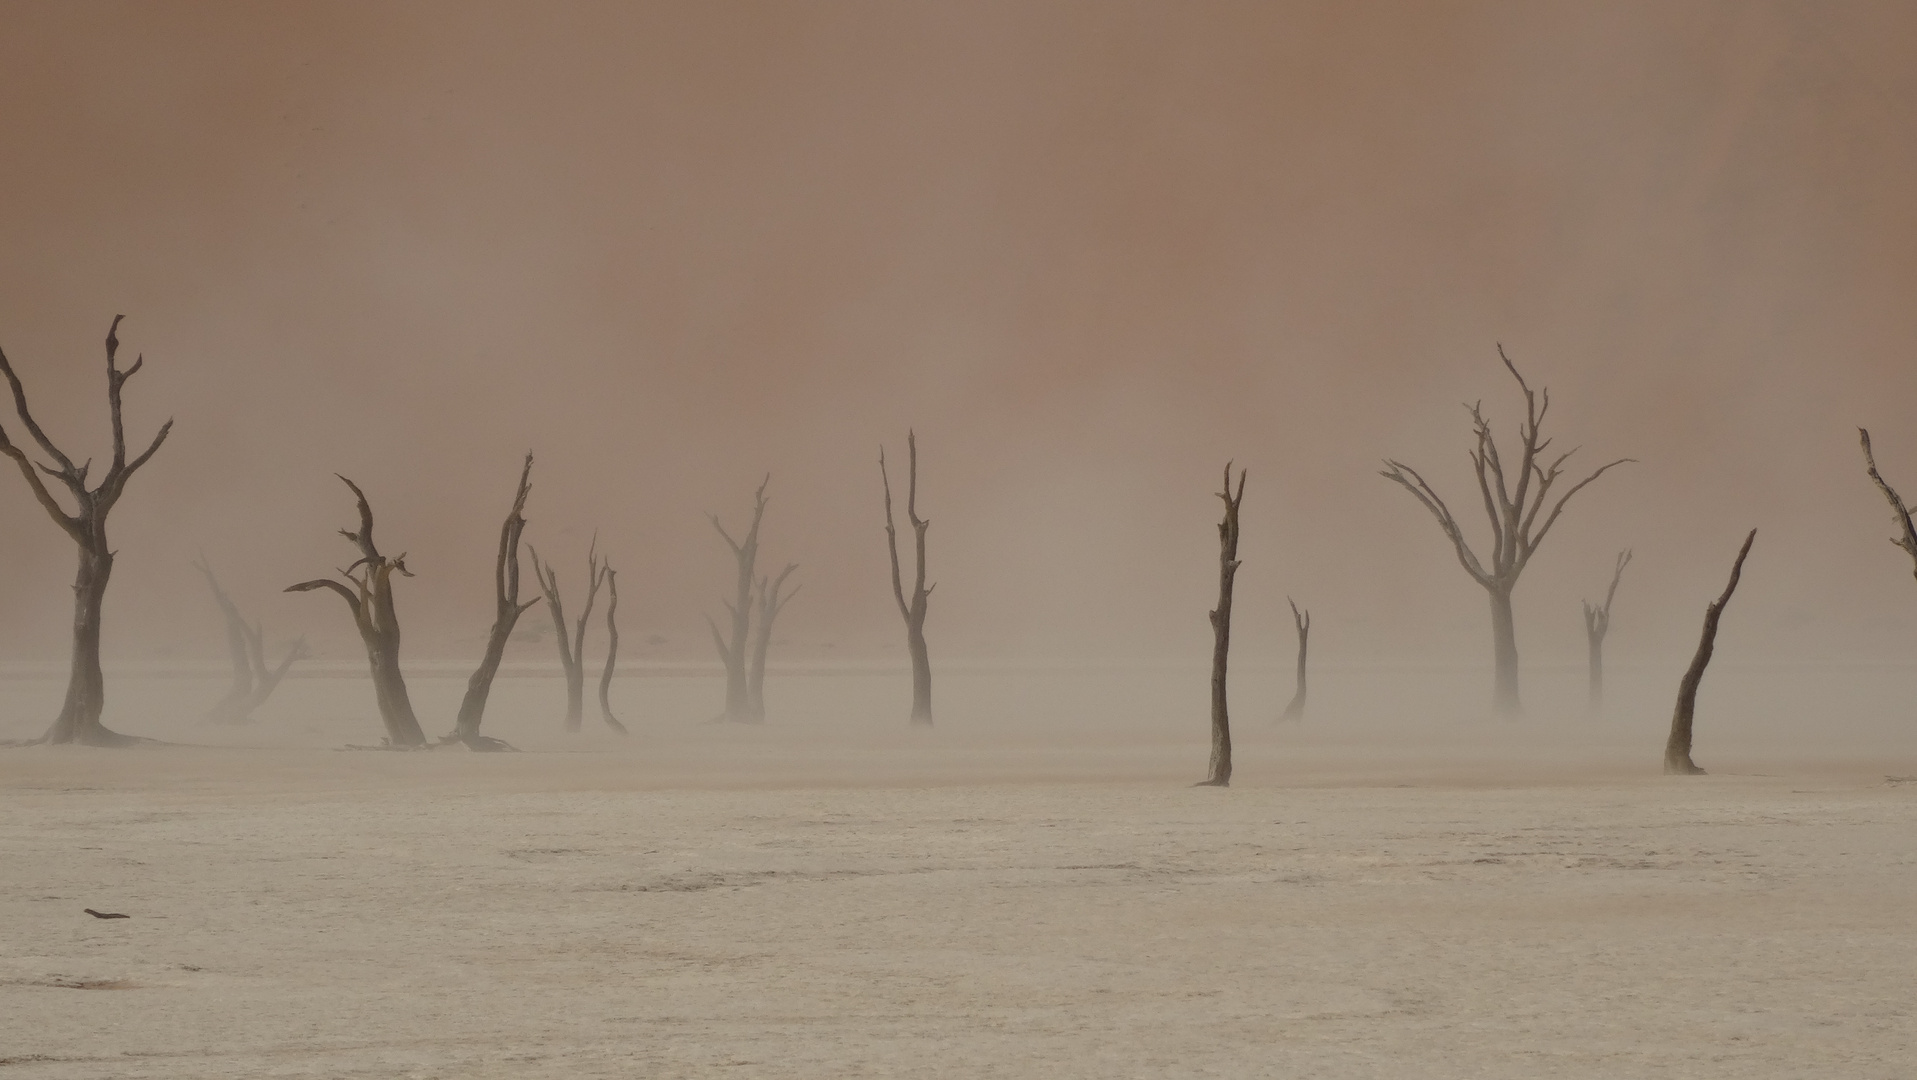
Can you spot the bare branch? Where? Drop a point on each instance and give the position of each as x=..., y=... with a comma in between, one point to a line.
x=1559, y=508
x=1414, y=483
x=352, y=600
x=1900, y=512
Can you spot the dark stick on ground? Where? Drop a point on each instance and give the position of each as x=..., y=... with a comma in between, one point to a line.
x=1220, y=772
x=1512, y=508
x=912, y=610
x=507, y=609
x=371, y=601
x=1677, y=749
x=1597, y=623
x=79, y=719
x=1900, y=514
x=1301, y=620
x=253, y=681
x=612, y=649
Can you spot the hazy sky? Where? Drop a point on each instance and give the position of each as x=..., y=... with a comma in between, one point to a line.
x=1089, y=250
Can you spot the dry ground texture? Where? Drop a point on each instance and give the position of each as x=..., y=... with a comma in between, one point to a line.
x=1015, y=893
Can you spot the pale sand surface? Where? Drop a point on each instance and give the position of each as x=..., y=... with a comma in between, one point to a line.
x=834, y=896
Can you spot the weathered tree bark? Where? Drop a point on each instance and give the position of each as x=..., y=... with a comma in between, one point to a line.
x=79, y=719
x=1900, y=514
x=1302, y=620
x=732, y=651
x=1512, y=510
x=1597, y=623
x=1221, y=633
x=1677, y=749
x=771, y=600
x=253, y=681
x=506, y=612
x=371, y=601
x=912, y=610
x=612, y=650
x=572, y=650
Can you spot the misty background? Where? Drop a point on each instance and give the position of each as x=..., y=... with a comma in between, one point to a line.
x=1090, y=251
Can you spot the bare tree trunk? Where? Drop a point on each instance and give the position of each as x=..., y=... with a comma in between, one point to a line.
x=79, y=719
x=1677, y=749
x=771, y=600
x=1504, y=640
x=1220, y=775
x=506, y=612
x=912, y=610
x=732, y=651
x=1302, y=620
x=612, y=650
x=572, y=643
x=1900, y=514
x=1513, y=507
x=253, y=681
x=1597, y=623
x=371, y=601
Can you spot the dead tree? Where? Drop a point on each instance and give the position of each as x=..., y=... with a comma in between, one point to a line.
x=79, y=719
x=253, y=681
x=612, y=649
x=1677, y=749
x=1597, y=623
x=913, y=610
x=732, y=651
x=572, y=649
x=1900, y=514
x=1221, y=633
x=1302, y=620
x=772, y=599
x=507, y=609
x=371, y=601
x=1512, y=504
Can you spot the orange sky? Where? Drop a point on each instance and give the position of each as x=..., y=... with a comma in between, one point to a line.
x=1089, y=250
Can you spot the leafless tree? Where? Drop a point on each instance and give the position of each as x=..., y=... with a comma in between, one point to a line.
x=371, y=601
x=772, y=599
x=1512, y=505
x=1597, y=623
x=253, y=681
x=1221, y=633
x=1677, y=749
x=572, y=648
x=1302, y=620
x=612, y=649
x=913, y=610
x=79, y=719
x=732, y=651
x=1900, y=514
x=507, y=609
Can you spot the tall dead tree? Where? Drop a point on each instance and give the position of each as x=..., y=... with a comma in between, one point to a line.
x=771, y=599
x=732, y=651
x=253, y=681
x=371, y=601
x=913, y=610
x=612, y=650
x=79, y=719
x=507, y=609
x=1512, y=504
x=1221, y=633
x=1900, y=514
x=1302, y=620
x=572, y=645
x=1597, y=623
x=1677, y=749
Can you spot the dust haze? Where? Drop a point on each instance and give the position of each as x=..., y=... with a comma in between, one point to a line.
x=1088, y=252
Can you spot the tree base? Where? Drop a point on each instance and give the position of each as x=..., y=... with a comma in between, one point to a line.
x=95, y=735
x=1212, y=783
x=1681, y=766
